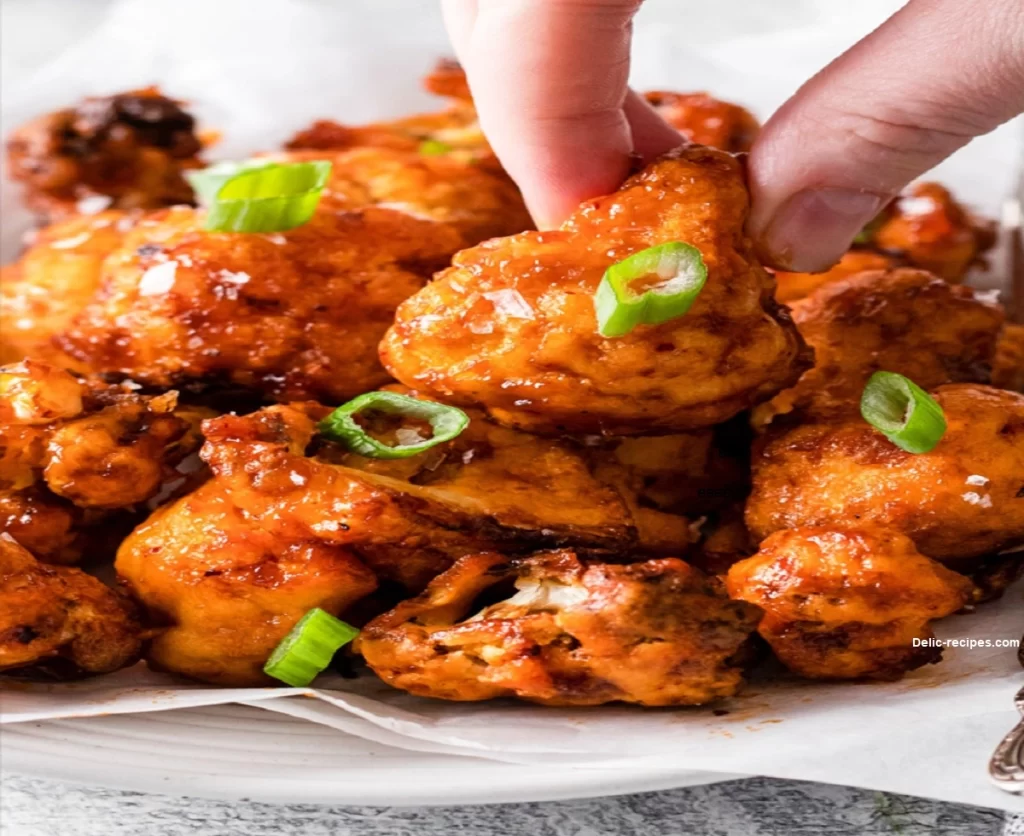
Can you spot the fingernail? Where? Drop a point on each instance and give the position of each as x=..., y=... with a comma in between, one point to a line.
x=813, y=228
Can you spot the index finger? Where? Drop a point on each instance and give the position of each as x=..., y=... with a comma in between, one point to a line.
x=549, y=81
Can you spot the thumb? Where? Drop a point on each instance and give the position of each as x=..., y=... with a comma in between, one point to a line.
x=926, y=82
x=549, y=81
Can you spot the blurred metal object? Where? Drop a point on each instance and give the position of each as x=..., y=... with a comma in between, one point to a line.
x=1011, y=231
x=1007, y=765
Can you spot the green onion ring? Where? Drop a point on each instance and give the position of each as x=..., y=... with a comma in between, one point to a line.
x=903, y=412
x=681, y=275
x=261, y=197
x=446, y=422
x=434, y=148
x=308, y=648
x=206, y=182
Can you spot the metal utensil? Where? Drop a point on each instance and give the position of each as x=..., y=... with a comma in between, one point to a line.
x=1006, y=767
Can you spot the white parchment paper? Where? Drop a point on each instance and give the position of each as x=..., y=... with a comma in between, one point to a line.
x=260, y=70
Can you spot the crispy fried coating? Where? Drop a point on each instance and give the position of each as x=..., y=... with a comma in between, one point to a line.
x=656, y=633
x=75, y=452
x=1008, y=371
x=126, y=151
x=794, y=286
x=725, y=540
x=60, y=614
x=59, y=274
x=925, y=227
x=511, y=326
x=296, y=314
x=289, y=521
x=931, y=230
x=706, y=120
x=699, y=117
x=904, y=321
x=226, y=591
x=847, y=603
x=490, y=488
x=963, y=499
x=456, y=126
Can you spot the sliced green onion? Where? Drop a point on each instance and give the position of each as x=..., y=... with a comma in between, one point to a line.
x=434, y=148
x=445, y=421
x=267, y=198
x=206, y=182
x=904, y=413
x=869, y=230
x=308, y=648
x=671, y=275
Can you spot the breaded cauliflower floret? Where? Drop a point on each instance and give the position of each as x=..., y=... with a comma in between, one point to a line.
x=74, y=453
x=656, y=633
x=511, y=326
x=903, y=321
x=963, y=499
x=61, y=617
x=847, y=603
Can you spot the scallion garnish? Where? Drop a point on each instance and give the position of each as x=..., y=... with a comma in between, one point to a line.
x=869, y=230
x=308, y=648
x=268, y=197
x=446, y=422
x=903, y=412
x=206, y=182
x=434, y=148
x=650, y=287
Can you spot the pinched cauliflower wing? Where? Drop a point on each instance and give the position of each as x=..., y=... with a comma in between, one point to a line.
x=61, y=618
x=656, y=633
x=74, y=452
x=904, y=321
x=127, y=151
x=847, y=603
x=511, y=325
x=963, y=499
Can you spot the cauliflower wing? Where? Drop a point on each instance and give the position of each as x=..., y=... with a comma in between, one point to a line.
x=1008, y=372
x=925, y=227
x=511, y=325
x=61, y=619
x=656, y=633
x=490, y=488
x=224, y=592
x=57, y=277
x=705, y=120
x=288, y=315
x=847, y=603
x=964, y=499
x=126, y=151
x=904, y=321
x=289, y=522
x=74, y=453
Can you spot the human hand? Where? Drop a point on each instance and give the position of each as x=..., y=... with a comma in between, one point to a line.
x=934, y=76
x=549, y=79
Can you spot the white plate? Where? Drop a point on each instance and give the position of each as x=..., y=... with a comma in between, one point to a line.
x=236, y=752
